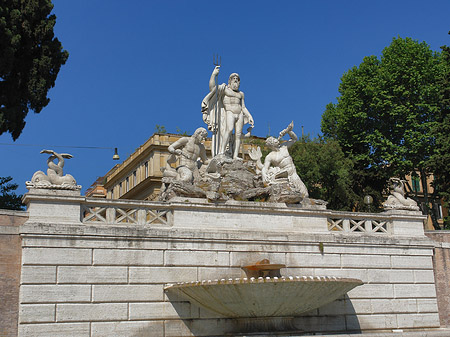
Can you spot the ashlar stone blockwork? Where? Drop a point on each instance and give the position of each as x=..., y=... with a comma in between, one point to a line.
x=98, y=279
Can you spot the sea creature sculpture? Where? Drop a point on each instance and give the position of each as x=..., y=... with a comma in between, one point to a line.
x=54, y=177
x=398, y=199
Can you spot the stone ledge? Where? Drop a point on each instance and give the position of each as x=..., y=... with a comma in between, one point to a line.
x=72, y=231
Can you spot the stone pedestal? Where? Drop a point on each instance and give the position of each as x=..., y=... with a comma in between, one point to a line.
x=53, y=205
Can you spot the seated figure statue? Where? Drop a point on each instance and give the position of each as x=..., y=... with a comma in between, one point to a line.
x=189, y=150
x=278, y=165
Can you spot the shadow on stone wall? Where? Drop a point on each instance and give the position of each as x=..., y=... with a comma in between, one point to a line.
x=338, y=316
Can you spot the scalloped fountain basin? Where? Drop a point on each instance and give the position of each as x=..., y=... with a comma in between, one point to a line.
x=264, y=297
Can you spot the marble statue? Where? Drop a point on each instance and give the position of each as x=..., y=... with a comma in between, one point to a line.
x=397, y=199
x=278, y=165
x=54, y=177
x=223, y=110
x=188, y=150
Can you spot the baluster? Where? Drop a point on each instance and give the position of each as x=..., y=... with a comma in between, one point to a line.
x=346, y=225
x=368, y=226
x=169, y=216
x=141, y=216
x=110, y=215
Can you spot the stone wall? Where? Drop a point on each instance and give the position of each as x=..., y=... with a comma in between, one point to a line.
x=441, y=262
x=10, y=258
x=108, y=280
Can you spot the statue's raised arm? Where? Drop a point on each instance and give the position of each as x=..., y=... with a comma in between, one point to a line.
x=293, y=137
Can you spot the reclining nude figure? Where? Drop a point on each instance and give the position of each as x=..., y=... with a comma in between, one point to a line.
x=278, y=165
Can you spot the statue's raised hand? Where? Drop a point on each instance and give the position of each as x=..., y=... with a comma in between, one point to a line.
x=216, y=71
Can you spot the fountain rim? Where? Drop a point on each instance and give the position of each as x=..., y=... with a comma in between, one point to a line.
x=253, y=280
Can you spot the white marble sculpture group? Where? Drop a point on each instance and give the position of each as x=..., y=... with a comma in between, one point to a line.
x=225, y=176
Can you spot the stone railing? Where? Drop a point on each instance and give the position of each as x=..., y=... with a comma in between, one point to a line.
x=121, y=212
x=68, y=207
x=359, y=223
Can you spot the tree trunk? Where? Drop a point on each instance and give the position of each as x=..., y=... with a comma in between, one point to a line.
x=429, y=211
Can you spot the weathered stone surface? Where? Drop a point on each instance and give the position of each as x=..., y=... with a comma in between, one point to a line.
x=38, y=274
x=92, y=274
x=92, y=312
x=284, y=192
x=55, y=293
x=37, y=313
x=60, y=330
x=128, y=329
x=178, y=188
x=127, y=293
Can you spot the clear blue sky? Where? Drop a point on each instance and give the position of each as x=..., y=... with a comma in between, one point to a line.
x=136, y=64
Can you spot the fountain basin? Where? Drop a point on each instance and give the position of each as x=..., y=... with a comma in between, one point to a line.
x=264, y=297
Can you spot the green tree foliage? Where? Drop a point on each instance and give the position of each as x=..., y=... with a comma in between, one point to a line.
x=386, y=113
x=440, y=163
x=326, y=172
x=9, y=199
x=30, y=59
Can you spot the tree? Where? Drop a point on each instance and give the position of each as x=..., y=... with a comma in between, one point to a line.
x=386, y=113
x=326, y=172
x=440, y=161
x=9, y=199
x=30, y=60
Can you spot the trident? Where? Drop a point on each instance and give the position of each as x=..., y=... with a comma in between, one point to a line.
x=217, y=61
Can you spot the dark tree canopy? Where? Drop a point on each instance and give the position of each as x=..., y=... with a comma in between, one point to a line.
x=30, y=60
x=9, y=199
x=386, y=113
x=326, y=172
x=440, y=163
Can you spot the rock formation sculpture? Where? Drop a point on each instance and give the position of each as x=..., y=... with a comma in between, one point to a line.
x=54, y=179
x=223, y=110
x=397, y=199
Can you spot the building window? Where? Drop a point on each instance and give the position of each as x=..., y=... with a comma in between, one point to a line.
x=146, y=169
x=415, y=183
x=127, y=184
x=134, y=179
x=120, y=189
x=438, y=210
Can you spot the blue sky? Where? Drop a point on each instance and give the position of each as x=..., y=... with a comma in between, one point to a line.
x=136, y=64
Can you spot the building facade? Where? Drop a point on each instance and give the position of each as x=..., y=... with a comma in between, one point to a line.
x=424, y=194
